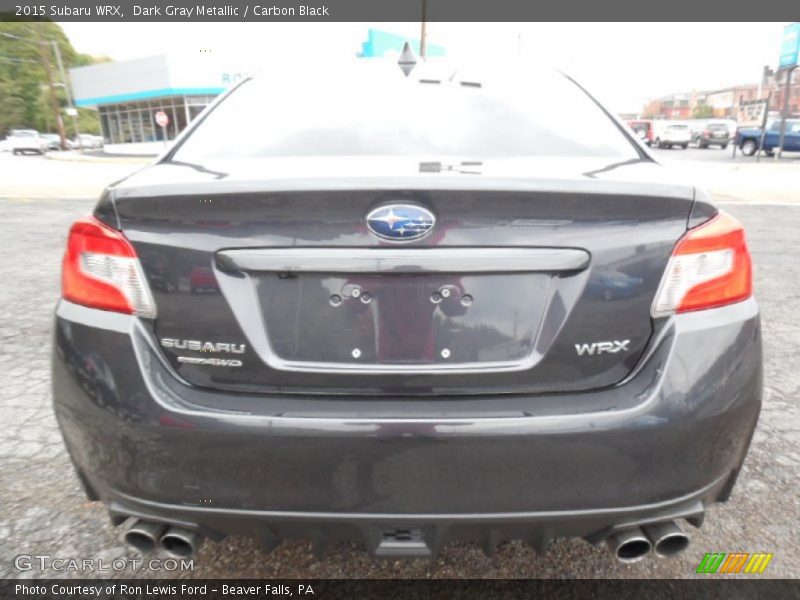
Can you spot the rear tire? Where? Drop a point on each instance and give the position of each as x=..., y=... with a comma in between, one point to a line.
x=723, y=146
x=749, y=147
x=684, y=146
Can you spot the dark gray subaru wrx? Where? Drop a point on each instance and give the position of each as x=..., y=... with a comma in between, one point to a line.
x=406, y=312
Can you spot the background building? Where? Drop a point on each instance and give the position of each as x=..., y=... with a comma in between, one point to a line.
x=736, y=102
x=128, y=94
x=673, y=106
x=724, y=103
x=775, y=83
x=383, y=43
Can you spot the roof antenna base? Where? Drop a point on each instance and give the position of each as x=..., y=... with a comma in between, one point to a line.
x=407, y=60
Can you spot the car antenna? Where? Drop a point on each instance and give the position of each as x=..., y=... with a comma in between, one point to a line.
x=407, y=60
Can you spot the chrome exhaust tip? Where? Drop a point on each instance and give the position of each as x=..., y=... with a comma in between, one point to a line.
x=143, y=536
x=181, y=543
x=668, y=539
x=629, y=545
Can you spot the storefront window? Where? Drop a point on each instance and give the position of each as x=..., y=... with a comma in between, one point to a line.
x=180, y=118
x=148, y=127
x=105, y=127
x=135, y=121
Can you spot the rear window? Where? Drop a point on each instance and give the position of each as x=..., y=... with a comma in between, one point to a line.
x=678, y=127
x=718, y=127
x=394, y=116
x=792, y=126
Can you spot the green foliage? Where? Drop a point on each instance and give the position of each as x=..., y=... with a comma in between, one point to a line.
x=702, y=111
x=88, y=122
x=24, y=95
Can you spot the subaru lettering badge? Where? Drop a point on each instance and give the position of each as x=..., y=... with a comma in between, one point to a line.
x=400, y=222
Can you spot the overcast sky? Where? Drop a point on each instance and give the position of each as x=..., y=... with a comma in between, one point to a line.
x=623, y=64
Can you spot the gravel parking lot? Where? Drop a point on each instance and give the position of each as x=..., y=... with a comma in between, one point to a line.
x=45, y=512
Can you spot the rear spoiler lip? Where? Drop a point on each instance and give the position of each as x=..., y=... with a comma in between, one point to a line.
x=233, y=185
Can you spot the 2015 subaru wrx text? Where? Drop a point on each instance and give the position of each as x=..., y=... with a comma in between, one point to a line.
x=407, y=311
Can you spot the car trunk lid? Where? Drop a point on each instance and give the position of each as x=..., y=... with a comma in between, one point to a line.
x=541, y=282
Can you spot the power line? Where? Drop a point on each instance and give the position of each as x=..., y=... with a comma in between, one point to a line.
x=22, y=39
x=18, y=60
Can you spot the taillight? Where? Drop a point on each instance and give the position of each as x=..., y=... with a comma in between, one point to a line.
x=101, y=270
x=710, y=266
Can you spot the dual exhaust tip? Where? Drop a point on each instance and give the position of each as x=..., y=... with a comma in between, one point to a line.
x=632, y=545
x=146, y=537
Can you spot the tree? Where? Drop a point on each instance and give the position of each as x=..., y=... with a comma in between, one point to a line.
x=13, y=104
x=702, y=111
x=22, y=77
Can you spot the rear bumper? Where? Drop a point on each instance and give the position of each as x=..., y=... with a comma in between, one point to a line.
x=663, y=444
x=386, y=534
x=714, y=141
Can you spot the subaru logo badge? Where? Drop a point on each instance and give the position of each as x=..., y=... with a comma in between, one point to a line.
x=400, y=222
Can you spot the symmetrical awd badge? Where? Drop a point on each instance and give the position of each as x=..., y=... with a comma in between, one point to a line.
x=208, y=347
x=400, y=222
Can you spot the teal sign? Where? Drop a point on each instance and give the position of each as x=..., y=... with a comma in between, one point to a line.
x=380, y=42
x=790, y=47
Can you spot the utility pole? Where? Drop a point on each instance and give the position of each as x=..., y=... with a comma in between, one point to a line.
x=423, y=33
x=43, y=50
x=763, y=127
x=787, y=88
x=42, y=89
x=68, y=91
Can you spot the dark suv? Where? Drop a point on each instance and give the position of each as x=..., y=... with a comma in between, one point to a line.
x=433, y=309
x=713, y=134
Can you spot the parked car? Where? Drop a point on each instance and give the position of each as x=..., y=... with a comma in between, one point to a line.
x=669, y=134
x=643, y=129
x=714, y=134
x=442, y=310
x=23, y=141
x=86, y=141
x=748, y=139
x=52, y=141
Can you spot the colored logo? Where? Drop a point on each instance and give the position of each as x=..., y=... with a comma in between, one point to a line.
x=734, y=562
x=400, y=222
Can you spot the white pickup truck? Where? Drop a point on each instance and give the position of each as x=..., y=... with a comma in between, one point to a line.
x=26, y=140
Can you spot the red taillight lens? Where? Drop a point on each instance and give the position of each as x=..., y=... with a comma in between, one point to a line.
x=101, y=270
x=710, y=266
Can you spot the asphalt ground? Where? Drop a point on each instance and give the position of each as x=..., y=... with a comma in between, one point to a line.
x=44, y=511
